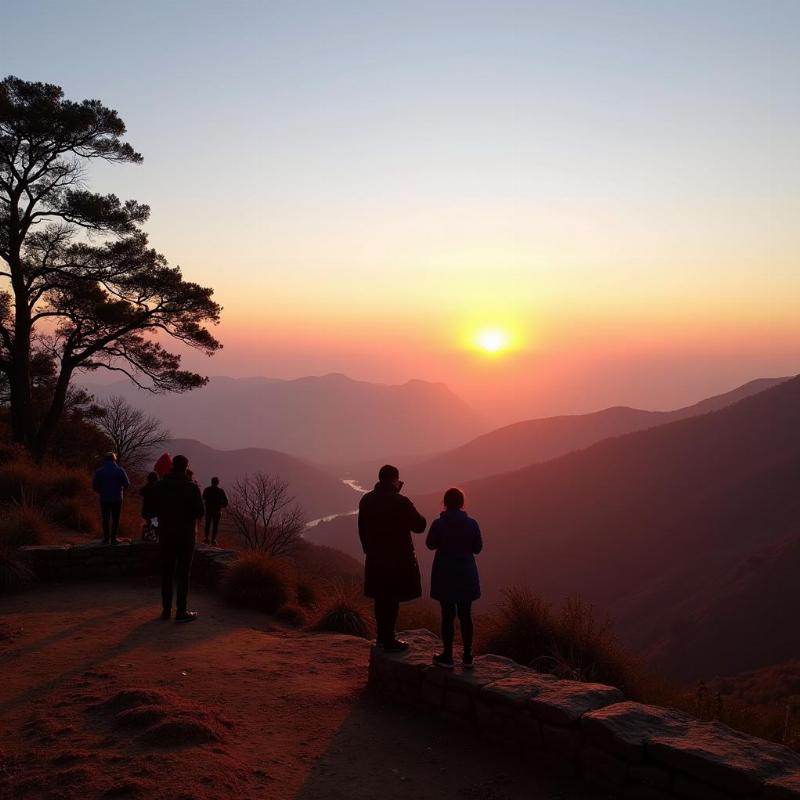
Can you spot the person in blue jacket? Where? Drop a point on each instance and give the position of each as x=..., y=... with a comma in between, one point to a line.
x=110, y=482
x=456, y=538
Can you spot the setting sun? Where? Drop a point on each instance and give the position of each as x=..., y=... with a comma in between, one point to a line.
x=492, y=340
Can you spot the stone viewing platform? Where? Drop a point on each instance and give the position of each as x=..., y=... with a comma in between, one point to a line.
x=127, y=558
x=632, y=750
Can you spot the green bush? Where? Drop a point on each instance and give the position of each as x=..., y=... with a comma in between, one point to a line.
x=256, y=581
x=22, y=526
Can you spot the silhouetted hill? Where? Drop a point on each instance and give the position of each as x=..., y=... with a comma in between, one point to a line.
x=327, y=419
x=318, y=491
x=682, y=532
x=537, y=440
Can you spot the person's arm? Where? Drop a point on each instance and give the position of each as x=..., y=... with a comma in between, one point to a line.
x=432, y=539
x=124, y=479
x=223, y=499
x=416, y=522
x=477, y=539
x=362, y=529
x=197, y=499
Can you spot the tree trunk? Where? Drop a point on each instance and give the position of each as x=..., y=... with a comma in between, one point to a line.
x=22, y=422
x=44, y=434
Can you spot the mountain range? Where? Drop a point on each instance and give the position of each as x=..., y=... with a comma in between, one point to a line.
x=687, y=534
x=328, y=419
x=317, y=491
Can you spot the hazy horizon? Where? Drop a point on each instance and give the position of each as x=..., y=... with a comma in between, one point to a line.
x=611, y=186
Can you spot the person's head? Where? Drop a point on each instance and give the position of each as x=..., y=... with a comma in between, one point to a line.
x=152, y=477
x=390, y=476
x=215, y=481
x=180, y=464
x=454, y=499
x=109, y=456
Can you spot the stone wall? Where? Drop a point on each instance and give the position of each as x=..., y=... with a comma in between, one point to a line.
x=127, y=558
x=632, y=750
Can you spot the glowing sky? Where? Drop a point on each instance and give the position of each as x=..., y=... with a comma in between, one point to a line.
x=615, y=186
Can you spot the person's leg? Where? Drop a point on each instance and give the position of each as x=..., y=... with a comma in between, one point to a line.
x=116, y=511
x=464, y=611
x=105, y=520
x=182, y=569
x=168, y=559
x=215, y=527
x=386, y=611
x=448, y=627
x=208, y=528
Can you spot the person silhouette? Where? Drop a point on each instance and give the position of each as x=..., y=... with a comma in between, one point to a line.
x=455, y=583
x=147, y=491
x=215, y=500
x=178, y=506
x=386, y=520
x=110, y=482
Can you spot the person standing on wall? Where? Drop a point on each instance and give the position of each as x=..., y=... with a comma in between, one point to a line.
x=110, y=482
x=215, y=500
x=386, y=520
x=178, y=506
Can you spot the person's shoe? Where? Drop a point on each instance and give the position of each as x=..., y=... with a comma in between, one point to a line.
x=395, y=646
x=166, y=613
x=186, y=616
x=466, y=661
x=443, y=660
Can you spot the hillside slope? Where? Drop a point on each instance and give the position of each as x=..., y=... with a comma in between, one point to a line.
x=537, y=440
x=330, y=419
x=651, y=526
x=317, y=491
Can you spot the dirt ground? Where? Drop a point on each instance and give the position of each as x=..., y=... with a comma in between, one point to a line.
x=101, y=699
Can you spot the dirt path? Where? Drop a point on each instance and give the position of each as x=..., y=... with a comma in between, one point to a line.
x=96, y=691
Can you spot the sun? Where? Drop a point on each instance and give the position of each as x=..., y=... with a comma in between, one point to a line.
x=492, y=340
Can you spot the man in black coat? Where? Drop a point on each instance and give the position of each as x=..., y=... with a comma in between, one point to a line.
x=178, y=506
x=215, y=500
x=386, y=520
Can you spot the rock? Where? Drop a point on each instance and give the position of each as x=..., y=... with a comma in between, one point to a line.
x=786, y=787
x=724, y=758
x=516, y=689
x=565, y=702
x=625, y=728
x=409, y=665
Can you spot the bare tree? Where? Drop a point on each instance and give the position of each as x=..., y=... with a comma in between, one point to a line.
x=265, y=515
x=133, y=433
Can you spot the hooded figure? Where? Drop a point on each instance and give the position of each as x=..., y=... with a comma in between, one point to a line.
x=386, y=520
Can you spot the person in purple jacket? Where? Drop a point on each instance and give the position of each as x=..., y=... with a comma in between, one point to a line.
x=456, y=538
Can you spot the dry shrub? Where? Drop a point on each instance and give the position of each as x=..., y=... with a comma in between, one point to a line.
x=23, y=526
x=344, y=611
x=14, y=574
x=257, y=581
x=421, y=614
x=306, y=594
x=568, y=642
x=292, y=615
x=71, y=513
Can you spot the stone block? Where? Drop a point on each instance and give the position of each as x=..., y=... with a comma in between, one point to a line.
x=458, y=702
x=650, y=775
x=784, y=787
x=601, y=767
x=733, y=762
x=432, y=694
x=692, y=789
x=638, y=791
x=516, y=689
x=625, y=728
x=561, y=739
x=565, y=702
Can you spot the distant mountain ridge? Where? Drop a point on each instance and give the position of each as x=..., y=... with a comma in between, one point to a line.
x=534, y=441
x=685, y=533
x=317, y=491
x=327, y=419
